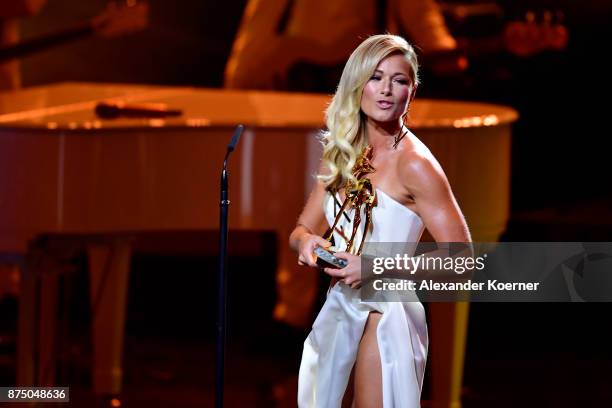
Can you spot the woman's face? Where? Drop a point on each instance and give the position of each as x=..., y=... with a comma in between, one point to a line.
x=387, y=93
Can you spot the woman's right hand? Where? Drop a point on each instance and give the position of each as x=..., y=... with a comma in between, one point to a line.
x=308, y=243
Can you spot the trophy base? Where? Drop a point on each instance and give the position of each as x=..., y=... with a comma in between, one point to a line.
x=326, y=259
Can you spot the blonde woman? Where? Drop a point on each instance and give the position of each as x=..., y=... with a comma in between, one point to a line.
x=372, y=354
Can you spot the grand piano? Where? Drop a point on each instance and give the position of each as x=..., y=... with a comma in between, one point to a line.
x=65, y=171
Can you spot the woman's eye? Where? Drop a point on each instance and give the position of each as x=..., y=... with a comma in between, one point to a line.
x=401, y=81
x=375, y=78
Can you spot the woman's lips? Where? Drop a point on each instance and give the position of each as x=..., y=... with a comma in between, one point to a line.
x=384, y=104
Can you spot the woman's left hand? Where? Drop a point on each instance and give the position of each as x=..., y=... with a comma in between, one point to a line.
x=351, y=273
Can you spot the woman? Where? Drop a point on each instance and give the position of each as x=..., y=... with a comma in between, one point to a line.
x=372, y=354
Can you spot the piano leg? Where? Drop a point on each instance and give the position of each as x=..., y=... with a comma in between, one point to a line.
x=38, y=307
x=109, y=272
x=448, y=331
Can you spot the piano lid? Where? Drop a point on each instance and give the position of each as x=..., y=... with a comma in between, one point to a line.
x=70, y=106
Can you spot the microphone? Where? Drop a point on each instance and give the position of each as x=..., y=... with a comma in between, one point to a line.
x=230, y=148
x=222, y=275
x=112, y=110
x=237, y=133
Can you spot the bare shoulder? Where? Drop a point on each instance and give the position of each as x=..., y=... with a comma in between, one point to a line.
x=434, y=201
x=419, y=169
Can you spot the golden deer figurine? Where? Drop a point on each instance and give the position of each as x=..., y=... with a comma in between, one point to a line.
x=358, y=194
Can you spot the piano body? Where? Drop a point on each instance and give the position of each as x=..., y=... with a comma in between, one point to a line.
x=63, y=170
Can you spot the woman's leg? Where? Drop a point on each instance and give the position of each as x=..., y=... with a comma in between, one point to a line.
x=368, y=370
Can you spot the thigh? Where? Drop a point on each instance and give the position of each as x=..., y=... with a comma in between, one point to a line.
x=368, y=370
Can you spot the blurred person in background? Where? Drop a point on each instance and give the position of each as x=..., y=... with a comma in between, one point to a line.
x=10, y=12
x=309, y=40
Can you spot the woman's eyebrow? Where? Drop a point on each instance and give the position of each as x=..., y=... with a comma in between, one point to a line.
x=378, y=71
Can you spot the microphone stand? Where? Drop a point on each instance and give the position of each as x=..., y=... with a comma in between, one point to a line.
x=222, y=275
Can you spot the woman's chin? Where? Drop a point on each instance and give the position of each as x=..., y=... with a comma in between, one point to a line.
x=386, y=118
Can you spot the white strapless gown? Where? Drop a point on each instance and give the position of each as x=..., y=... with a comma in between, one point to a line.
x=331, y=347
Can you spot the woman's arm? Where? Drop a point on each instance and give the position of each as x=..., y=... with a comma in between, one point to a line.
x=435, y=203
x=311, y=225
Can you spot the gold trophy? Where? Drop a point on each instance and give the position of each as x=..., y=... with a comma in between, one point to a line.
x=358, y=194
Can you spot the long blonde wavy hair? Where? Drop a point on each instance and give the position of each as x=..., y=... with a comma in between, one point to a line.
x=345, y=137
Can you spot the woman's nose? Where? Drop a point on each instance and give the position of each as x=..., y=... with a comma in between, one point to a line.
x=385, y=87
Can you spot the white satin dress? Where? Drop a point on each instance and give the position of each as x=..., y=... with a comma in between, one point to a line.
x=331, y=347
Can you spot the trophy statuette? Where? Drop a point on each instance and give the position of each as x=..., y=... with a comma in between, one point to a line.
x=358, y=195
